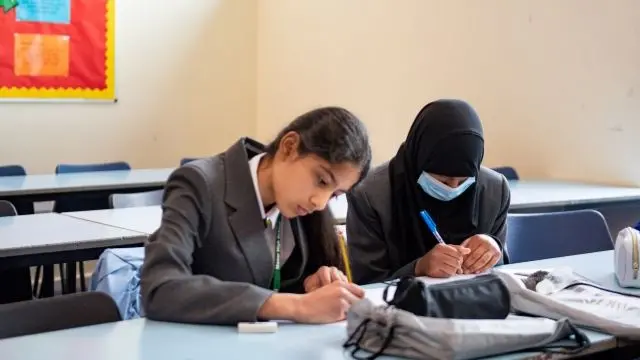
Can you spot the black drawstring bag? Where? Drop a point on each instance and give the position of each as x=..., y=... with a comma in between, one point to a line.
x=481, y=297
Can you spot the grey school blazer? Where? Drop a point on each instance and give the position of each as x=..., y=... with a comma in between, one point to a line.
x=369, y=223
x=209, y=261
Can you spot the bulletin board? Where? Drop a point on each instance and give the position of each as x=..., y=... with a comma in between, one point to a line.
x=57, y=49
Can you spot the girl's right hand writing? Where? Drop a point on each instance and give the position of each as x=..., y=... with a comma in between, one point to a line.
x=329, y=303
x=441, y=261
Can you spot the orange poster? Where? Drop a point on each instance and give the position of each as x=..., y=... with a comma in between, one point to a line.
x=41, y=55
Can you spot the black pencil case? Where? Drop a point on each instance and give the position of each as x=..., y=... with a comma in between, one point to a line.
x=481, y=297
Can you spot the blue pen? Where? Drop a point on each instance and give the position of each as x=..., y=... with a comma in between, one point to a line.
x=431, y=225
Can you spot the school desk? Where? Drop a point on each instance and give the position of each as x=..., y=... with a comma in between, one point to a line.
x=142, y=339
x=47, y=186
x=51, y=238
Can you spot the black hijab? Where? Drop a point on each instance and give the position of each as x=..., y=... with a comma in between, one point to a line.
x=446, y=138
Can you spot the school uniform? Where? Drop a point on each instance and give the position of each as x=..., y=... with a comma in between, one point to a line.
x=373, y=248
x=212, y=259
x=386, y=233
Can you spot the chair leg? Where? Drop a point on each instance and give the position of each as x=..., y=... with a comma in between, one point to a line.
x=46, y=289
x=83, y=283
x=63, y=278
x=70, y=281
x=36, y=281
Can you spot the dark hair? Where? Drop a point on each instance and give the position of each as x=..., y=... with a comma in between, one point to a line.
x=337, y=136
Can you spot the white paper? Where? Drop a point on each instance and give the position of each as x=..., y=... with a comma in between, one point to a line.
x=432, y=281
x=625, y=309
x=521, y=272
x=375, y=295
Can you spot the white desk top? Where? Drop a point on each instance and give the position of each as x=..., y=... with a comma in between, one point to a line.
x=531, y=194
x=90, y=181
x=590, y=266
x=144, y=219
x=143, y=339
x=526, y=194
x=51, y=232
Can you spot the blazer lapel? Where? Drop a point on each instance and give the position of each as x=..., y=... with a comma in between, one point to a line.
x=246, y=220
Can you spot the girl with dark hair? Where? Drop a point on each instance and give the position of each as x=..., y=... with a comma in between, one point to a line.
x=437, y=169
x=246, y=234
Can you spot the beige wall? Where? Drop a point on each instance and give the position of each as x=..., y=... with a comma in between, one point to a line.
x=557, y=83
x=185, y=76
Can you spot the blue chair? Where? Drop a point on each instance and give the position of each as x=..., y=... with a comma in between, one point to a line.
x=79, y=168
x=549, y=235
x=187, y=160
x=508, y=172
x=12, y=170
x=83, y=202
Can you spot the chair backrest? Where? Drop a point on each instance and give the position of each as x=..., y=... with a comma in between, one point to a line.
x=548, y=235
x=508, y=172
x=147, y=198
x=56, y=313
x=86, y=201
x=7, y=209
x=12, y=170
x=76, y=168
x=187, y=160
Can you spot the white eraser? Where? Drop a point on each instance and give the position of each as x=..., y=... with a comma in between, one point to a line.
x=258, y=327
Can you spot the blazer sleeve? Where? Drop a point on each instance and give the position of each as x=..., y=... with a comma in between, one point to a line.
x=499, y=229
x=368, y=250
x=170, y=291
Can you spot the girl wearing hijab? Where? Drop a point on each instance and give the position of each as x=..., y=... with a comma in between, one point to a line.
x=436, y=169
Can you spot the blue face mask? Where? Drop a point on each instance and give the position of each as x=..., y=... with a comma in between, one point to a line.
x=440, y=191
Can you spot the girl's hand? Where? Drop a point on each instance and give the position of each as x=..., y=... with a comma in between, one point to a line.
x=324, y=276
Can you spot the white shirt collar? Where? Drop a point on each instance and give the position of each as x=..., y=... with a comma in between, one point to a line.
x=253, y=167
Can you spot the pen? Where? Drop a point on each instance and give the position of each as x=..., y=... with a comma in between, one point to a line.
x=431, y=225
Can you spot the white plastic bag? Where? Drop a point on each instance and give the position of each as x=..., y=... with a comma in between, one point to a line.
x=568, y=295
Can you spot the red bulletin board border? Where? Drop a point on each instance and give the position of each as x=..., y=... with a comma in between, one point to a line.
x=89, y=39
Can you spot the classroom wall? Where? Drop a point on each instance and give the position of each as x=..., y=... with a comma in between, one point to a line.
x=186, y=85
x=557, y=83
